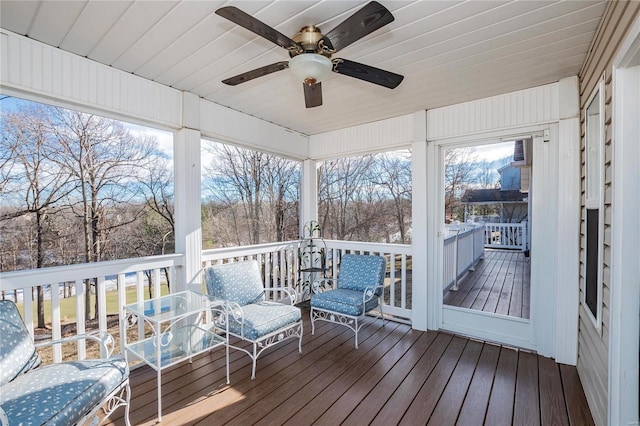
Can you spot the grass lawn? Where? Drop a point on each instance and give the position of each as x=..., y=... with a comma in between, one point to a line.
x=68, y=305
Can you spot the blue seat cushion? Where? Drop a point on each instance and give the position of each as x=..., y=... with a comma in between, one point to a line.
x=17, y=351
x=61, y=394
x=357, y=272
x=264, y=317
x=238, y=282
x=342, y=301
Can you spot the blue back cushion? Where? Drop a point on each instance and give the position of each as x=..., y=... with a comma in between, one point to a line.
x=17, y=351
x=359, y=271
x=238, y=282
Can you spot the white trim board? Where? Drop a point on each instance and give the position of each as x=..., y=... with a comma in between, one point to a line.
x=624, y=340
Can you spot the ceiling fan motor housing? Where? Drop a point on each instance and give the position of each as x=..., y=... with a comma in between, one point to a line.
x=308, y=37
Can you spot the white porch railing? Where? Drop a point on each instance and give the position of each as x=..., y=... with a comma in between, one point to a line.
x=397, y=298
x=506, y=235
x=115, y=276
x=463, y=247
x=280, y=263
x=279, y=260
x=119, y=277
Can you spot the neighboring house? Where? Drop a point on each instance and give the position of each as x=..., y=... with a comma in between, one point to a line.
x=504, y=204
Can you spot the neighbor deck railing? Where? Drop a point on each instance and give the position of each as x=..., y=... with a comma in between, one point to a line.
x=463, y=247
x=119, y=277
x=506, y=235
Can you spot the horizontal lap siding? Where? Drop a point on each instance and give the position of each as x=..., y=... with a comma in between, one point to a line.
x=593, y=345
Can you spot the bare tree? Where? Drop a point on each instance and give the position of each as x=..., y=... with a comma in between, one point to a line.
x=340, y=182
x=104, y=158
x=459, y=173
x=393, y=173
x=37, y=178
x=255, y=193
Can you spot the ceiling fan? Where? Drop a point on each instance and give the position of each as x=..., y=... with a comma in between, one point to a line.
x=311, y=50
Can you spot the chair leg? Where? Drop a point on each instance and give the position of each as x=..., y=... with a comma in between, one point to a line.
x=380, y=310
x=300, y=340
x=357, y=328
x=254, y=357
x=126, y=407
x=313, y=324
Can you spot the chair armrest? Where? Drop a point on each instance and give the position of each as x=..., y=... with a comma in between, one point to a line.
x=4, y=420
x=290, y=291
x=324, y=284
x=102, y=337
x=370, y=292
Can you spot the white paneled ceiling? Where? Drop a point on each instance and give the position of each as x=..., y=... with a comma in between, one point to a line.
x=448, y=51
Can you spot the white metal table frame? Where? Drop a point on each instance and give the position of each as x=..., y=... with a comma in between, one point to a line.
x=181, y=327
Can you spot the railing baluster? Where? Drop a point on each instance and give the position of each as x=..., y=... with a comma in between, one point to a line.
x=80, y=318
x=56, y=329
x=403, y=282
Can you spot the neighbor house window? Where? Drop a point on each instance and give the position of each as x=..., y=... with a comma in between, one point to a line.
x=594, y=161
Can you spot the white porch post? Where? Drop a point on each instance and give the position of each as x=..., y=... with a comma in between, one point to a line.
x=308, y=193
x=186, y=158
x=419, y=241
x=568, y=237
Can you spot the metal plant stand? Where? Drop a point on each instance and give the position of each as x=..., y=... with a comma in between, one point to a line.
x=312, y=259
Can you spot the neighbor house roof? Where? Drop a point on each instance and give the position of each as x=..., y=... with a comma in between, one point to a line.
x=474, y=196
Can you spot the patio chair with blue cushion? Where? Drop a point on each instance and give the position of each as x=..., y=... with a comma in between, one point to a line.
x=252, y=316
x=355, y=292
x=67, y=393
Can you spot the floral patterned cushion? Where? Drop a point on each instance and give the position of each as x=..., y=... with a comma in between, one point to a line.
x=359, y=271
x=17, y=351
x=238, y=282
x=262, y=318
x=61, y=394
x=343, y=301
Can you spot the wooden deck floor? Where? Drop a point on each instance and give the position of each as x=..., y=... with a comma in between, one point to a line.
x=397, y=376
x=500, y=284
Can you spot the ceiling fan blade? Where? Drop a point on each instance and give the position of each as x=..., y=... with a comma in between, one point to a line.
x=258, y=72
x=247, y=21
x=367, y=73
x=366, y=20
x=312, y=94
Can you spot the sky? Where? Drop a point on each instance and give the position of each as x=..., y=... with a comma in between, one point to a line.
x=494, y=151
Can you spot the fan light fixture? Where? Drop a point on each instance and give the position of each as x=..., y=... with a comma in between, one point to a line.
x=311, y=68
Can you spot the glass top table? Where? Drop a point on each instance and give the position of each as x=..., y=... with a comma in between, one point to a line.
x=174, y=328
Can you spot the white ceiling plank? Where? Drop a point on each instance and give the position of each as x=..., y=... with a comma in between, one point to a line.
x=54, y=19
x=253, y=47
x=189, y=42
x=17, y=16
x=448, y=51
x=179, y=20
x=93, y=23
x=140, y=17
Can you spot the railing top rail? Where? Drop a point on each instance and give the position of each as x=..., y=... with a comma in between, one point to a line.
x=225, y=252
x=505, y=224
x=366, y=246
x=57, y=274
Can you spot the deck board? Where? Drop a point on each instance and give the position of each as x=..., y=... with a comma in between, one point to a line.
x=499, y=284
x=397, y=376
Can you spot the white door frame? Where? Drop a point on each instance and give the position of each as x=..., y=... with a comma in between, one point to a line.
x=497, y=328
x=624, y=340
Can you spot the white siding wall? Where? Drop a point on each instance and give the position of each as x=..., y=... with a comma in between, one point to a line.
x=33, y=70
x=528, y=107
x=383, y=135
x=593, y=345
